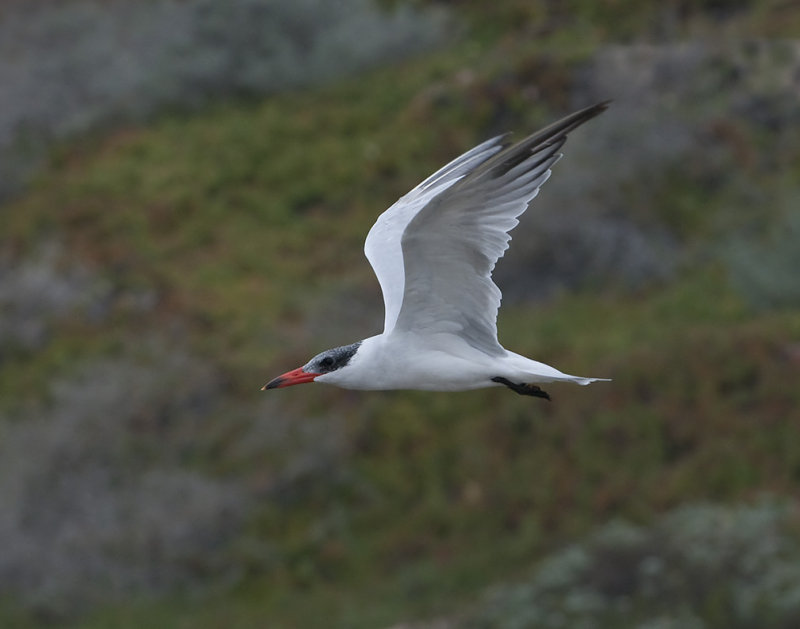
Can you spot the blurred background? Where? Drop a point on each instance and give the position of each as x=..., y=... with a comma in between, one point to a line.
x=186, y=186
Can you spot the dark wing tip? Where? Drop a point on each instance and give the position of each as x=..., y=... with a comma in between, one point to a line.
x=562, y=127
x=548, y=140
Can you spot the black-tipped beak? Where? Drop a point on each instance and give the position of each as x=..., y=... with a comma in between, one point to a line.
x=290, y=378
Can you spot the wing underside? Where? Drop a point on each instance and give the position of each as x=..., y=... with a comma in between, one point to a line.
x=434, y=250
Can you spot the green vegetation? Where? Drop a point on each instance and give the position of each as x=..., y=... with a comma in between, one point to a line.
x=225, y=247
x=180, y=55
x=700, y=566
x=766, y=271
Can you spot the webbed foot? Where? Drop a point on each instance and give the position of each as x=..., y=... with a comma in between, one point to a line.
x=523, y=388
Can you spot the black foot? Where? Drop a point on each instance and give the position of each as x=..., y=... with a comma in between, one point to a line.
x=523, y=388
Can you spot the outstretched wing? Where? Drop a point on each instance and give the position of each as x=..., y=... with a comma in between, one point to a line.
x=383, y=246
x=434, y=250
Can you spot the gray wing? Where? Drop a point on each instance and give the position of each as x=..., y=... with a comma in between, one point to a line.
x=451, y=244
x=383, y=246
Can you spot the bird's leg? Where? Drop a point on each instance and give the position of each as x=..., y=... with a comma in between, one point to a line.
x=523, y=388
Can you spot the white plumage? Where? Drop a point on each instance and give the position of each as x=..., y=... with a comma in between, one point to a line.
x=433, y=252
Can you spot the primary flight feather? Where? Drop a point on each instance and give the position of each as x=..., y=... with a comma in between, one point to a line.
x=433, y=252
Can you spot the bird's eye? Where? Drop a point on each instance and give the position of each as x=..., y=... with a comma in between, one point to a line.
x=326, y=362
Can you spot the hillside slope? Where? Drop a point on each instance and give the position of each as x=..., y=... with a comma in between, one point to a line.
x=155, y=276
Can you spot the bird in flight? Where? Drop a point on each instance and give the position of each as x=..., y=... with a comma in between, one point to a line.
x=433, y=252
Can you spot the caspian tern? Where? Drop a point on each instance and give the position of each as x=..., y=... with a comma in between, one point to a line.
x=433, y=252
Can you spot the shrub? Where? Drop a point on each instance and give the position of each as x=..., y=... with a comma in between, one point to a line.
x=766, y=271
x=700, y=566
x=36, y=291
x=67, y=67
x=95, y=503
